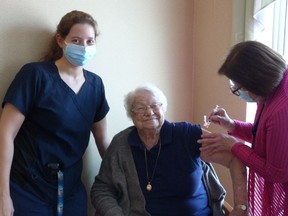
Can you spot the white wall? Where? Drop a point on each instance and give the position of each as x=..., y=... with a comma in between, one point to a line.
x=177, y=44
x=212, y=34
x=140, y=41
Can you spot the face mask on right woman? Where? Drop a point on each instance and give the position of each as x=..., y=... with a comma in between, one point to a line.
x=244, y=95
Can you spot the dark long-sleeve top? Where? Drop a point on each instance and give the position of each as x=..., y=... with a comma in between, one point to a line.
x=118, y=191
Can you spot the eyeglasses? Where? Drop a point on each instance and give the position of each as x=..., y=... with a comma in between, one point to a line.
x=141, y=109
x=235, y=91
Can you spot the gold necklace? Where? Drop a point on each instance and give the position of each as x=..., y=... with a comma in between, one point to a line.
x=149, y=180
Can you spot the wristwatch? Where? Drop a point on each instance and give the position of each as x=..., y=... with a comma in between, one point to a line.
x=242, y=207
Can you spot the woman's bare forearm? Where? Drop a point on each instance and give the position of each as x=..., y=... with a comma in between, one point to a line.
x=238, y=174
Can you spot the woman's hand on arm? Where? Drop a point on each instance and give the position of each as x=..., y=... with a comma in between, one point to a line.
x=212, y=143
x=99, y=130
x=212, y=151
x=10, y=123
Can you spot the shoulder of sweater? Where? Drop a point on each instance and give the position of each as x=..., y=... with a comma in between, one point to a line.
x=277, y=104
x=120, y=140
x=123, y=133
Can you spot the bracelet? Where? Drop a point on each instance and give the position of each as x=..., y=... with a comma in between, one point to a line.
x=242, y=207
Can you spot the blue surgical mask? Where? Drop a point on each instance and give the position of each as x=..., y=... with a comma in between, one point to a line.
x=79, y=55
x=245, y=96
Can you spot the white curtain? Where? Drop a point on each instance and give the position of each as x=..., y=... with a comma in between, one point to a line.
x=262, y=20
x=248, y=19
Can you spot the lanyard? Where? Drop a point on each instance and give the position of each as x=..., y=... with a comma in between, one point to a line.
x=60, y=193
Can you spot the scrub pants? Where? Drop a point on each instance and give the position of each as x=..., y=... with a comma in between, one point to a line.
x=27, y=204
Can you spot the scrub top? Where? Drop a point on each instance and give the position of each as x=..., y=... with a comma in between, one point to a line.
x=56, y=128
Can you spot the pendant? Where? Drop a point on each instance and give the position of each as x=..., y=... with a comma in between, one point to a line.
x=149, y=187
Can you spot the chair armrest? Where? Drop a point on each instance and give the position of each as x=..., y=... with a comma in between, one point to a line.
x=227, y=207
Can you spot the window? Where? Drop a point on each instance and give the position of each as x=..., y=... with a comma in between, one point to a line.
x=273, y=32
x=272, y=24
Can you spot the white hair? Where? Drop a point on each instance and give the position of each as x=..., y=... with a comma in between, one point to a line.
x=130, y=97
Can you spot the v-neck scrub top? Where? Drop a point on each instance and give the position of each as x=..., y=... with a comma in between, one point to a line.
x=56, y=128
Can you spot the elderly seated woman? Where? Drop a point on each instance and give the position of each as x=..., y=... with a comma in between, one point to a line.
x=155, y=166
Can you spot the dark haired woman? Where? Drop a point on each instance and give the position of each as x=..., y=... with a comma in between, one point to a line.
x=258, y=74
x=48, y=113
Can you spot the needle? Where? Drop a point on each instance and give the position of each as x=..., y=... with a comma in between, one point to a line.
x=208, y=122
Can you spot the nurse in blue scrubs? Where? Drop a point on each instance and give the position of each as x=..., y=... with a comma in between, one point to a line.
x=48, y=113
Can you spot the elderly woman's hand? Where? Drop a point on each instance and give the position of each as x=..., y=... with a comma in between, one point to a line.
x=216, y=142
